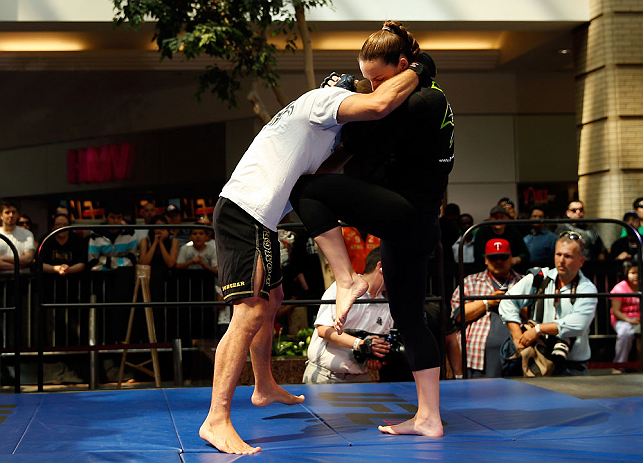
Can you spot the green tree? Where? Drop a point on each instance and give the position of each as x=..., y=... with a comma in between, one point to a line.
x=234, y=33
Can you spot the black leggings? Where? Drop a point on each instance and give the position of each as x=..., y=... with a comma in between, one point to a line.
x=408, y=236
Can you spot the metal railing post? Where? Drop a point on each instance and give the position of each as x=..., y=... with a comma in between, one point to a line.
x=177, y=355
x=93, y=354
x=17, y=309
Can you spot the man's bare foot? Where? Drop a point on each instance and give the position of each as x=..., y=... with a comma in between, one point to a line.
x=428, y=428
x=225, y=439
x=347, y=294
x=277, y=394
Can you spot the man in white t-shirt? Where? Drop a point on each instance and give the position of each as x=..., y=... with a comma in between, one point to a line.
x=331, y=356
x=21, y=238
x=295, y=142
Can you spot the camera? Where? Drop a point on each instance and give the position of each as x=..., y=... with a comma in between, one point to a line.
x=394, y=338
x=560, y=349
x=365, y=351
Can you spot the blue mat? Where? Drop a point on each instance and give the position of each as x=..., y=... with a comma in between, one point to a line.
x=485, y=420
x=94, y=457
x=573, y=450
x=275, y=426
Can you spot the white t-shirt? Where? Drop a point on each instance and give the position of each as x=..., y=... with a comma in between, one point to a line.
x=373, y=318
x=295, y=142
x=209, y=256
x=188, y=252
x=21, y=238
x=140, y=235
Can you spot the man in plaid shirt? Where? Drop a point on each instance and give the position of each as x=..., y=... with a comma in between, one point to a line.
x=485, y=331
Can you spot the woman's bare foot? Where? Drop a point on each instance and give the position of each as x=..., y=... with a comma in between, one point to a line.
x=429, y=428
x=224, y=438
x=347, y=294
x=276, y=393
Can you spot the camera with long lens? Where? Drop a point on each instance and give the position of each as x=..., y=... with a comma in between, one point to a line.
x=560, y=349
x=394, y=338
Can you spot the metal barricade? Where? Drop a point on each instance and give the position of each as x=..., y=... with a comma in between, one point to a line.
x=186, y=311
x=92, y=346
x=461, y=276
x=17, y=310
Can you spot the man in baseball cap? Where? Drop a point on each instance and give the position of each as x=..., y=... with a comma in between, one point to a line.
x=520, y=254
x=485, y=331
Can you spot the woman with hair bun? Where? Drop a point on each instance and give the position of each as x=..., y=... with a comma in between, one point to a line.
x=405, y=162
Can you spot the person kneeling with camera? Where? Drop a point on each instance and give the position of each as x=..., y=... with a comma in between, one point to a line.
x=348, y=357
x=565, y=321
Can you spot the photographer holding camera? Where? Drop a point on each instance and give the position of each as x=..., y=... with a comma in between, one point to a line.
x=348, y=357
x=566, y=319
x=485, y=331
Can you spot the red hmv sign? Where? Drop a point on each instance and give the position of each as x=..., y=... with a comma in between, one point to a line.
x=99, y=164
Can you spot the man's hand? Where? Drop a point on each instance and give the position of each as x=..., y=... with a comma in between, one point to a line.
x=495, y=302
x=424, y=67
x=528, y=337
x=379, y=346
x=345, y=81
x=61, y=269
x=623, y=256
x=374, y=364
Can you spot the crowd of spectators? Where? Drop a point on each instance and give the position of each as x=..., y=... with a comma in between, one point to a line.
x=533, y=245
x=497, y=257
x=116, y=251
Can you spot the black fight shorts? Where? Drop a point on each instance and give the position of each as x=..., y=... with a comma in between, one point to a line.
x=240, y=239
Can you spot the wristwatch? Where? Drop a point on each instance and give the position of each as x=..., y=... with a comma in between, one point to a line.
x=486, y=305
x=537, y=328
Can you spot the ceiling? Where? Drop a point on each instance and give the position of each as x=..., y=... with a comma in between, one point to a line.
x=49, y=67
x=102, y=47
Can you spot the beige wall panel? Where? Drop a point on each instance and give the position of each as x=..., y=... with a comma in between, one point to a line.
x=628, y=38
x=478, y=198
x=484, y=149
x=551, y=93
x=595, y=147
x=480, y=93
x=629, y=91
x=628, y=6
x=610, y=195
x=589, y=46
x=546, y=148
x=631, y=144
x=593, y=93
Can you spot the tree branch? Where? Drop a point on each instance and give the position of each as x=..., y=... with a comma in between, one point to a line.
x=309, y=71
x=257, y=104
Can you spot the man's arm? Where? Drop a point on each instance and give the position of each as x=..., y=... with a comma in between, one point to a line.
x=381, y=102
x=6, y=262
x=529, y=336
x=27, y=258
x=476, y=309
x=379, y=346
x=578, y=320
x=509, y=309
